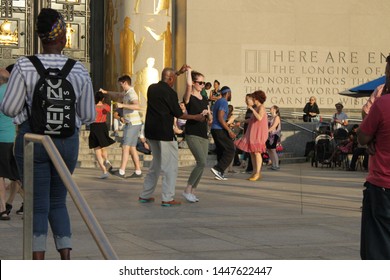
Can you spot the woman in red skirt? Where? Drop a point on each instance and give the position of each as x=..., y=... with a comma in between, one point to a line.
x=256, y=135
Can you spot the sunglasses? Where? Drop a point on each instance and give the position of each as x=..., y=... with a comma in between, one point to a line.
x=200, y=83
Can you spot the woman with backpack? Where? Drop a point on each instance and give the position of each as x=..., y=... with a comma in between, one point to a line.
x=50, y=193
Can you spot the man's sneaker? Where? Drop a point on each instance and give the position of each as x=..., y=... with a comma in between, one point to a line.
x=196, y=198
x=116, y=173
x=217, y=173
x=189, y=197
x=20, y=211
x=223, y=178
x=170, y=203
x=135, y=175
x=146, y=200
x=104, y=176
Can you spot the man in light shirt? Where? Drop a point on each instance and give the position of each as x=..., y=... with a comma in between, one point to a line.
x=133, y=123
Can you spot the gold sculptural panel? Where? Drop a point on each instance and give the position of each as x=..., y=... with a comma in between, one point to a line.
x=72, y=36
x=9, y=35
x=166, y=37
x=162, y=5
x=129, y=48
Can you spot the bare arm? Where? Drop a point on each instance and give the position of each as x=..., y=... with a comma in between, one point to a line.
x=114, y=95
x=198, y=117
x=225, y=126
x=342, y=122
x=231, y=120
x=258, y=115
x=365, y=139
x=364, y=114
x=187, y=95
x=209, y=115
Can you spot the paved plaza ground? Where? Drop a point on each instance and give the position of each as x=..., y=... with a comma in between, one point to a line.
x=300, y=212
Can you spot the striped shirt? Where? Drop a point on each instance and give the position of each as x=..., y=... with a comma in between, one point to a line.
x=22, y=82
x=131, y=116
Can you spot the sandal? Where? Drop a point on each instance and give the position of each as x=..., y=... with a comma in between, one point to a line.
x=4, y=216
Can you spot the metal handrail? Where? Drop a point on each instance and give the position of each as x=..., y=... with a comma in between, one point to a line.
x=298, y=126
x=90, y=220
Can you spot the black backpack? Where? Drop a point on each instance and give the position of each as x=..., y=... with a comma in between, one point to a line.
x=53, y=109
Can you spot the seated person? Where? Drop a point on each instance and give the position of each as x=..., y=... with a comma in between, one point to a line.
x=344, y=147
x=311, y=110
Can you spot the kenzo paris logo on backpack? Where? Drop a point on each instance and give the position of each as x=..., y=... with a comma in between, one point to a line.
x=53, y=104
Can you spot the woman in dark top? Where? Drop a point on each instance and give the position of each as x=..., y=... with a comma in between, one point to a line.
x=311, y=110
x=196, y=132
x=214, y=93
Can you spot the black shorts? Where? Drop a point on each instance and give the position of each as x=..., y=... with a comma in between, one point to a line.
x=275, y=142
x=8, y=167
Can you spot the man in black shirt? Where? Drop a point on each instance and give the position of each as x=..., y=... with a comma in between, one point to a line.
x=162, y=108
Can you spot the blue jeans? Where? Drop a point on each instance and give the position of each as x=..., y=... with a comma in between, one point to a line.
x=49, y=190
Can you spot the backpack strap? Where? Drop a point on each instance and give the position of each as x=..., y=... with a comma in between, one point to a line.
x=41, y=71
x=37, y=64
x=67, y=67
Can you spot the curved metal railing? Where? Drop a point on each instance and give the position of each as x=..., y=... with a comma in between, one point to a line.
x=78, y=199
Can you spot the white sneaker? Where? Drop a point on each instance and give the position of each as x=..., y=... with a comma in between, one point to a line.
x=104, y=176
x=189, y=197
x=196, y=198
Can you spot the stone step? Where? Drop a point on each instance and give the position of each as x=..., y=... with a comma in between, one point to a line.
x=87, y=156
